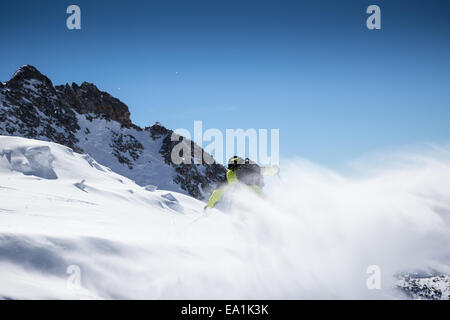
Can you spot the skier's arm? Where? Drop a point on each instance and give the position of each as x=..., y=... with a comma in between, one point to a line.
x=270, y=171
x=214, y=198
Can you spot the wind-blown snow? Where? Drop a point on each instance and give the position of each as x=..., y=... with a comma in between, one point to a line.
x=312, y=237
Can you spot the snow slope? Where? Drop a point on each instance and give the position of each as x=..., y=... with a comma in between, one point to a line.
x=64, y=218
x=60, y=209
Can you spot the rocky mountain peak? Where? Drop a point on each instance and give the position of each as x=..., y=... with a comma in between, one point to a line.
x=25, y=74
x=87, y=98
x=157, y=130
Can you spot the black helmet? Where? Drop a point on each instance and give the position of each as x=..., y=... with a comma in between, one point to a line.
x=247, y=171
x=234, y=161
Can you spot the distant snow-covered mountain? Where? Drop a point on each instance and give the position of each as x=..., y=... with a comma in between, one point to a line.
x=92, y=121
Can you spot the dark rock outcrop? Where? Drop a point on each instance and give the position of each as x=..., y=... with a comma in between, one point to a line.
x=189, y=175
x=33, y=110
x=87, y=98
x=425, y=287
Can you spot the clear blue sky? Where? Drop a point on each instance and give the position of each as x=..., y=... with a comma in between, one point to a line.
x=310, y=68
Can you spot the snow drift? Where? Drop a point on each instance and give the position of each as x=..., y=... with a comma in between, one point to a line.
x=312, y=237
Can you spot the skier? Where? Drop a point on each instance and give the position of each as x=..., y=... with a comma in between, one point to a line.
x=246, y=172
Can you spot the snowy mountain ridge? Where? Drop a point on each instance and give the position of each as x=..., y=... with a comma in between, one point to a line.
x=91, y=121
